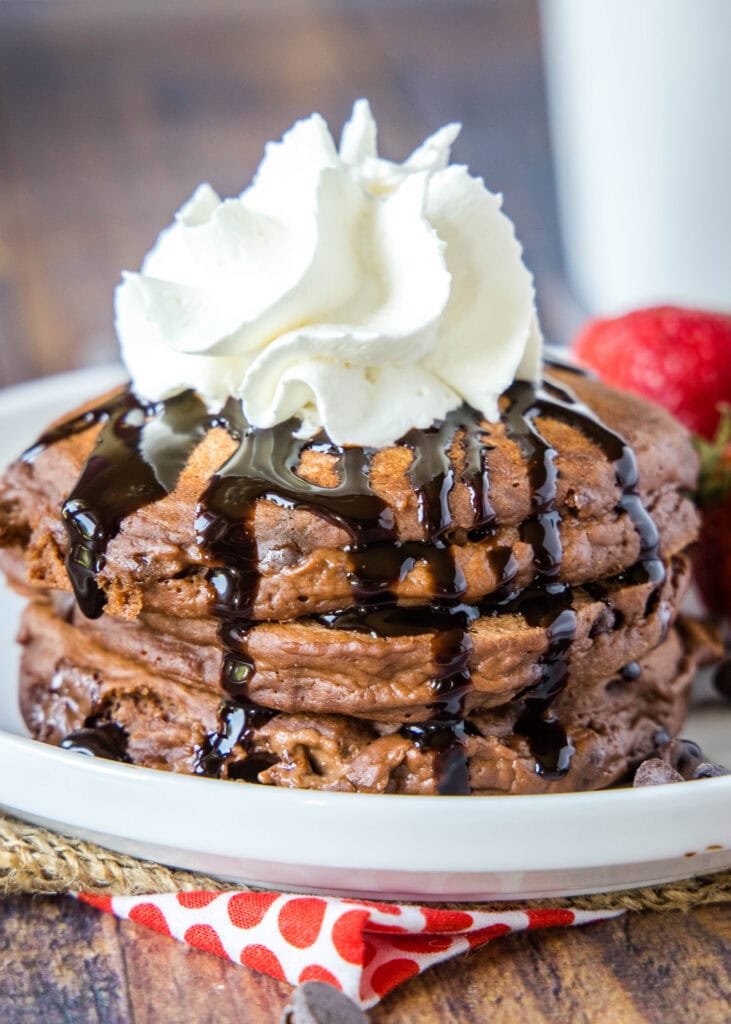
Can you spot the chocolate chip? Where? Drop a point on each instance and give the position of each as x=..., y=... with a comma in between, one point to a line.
x=722, y=679
x=709, y=770
x=655, y=772
x=682, y=755
x=318, y=1003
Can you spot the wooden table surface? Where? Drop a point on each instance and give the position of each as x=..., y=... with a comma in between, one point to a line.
x=109, y=117
x=63, y=963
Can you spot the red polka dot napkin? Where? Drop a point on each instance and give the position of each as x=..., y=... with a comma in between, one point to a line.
x=364, y=949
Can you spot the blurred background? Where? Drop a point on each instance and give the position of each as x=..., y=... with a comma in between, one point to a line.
x=111, y=114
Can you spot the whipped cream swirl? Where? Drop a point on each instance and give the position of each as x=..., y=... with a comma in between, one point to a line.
x=355, y=294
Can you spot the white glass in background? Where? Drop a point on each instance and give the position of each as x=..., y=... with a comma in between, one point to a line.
x=640, y=107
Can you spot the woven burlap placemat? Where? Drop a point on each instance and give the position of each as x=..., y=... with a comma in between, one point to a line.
x=34, y=860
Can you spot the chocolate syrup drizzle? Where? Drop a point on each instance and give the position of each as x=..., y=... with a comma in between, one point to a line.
x=237, y=722
x=141, y=451
x=99, y=738
x=264, y=467
x=137, y=459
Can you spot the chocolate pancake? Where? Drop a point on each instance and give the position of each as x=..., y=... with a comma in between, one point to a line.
x=471, y=573
x=117, y=708
x=170, y=511
x=387, y=663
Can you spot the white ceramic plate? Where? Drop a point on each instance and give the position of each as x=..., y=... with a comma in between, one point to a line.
x=426, y=848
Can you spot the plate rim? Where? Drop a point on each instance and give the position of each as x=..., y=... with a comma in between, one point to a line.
x=331, y=815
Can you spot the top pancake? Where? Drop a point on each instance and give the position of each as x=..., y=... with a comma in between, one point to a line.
x=155, y=562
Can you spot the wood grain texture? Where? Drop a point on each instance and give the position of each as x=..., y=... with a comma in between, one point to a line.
x=65, y=963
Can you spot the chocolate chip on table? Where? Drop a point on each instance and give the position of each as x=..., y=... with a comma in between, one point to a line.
x=318, y=1003
x=656, y=772
x=709, y=770
x=722, y=679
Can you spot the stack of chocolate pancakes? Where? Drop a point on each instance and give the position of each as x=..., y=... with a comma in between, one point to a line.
x=482, y=607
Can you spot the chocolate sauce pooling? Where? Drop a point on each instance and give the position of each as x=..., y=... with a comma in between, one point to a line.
x=99, y=739
x=237, y=720
x=141, y=451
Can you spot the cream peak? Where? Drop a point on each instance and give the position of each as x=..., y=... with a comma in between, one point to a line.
x=350, y=292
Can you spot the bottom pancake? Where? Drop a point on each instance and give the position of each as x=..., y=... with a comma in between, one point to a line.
x=69, y=684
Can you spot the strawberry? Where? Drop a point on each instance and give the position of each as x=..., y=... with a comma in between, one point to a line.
x=679, y=358
x=713, y=553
